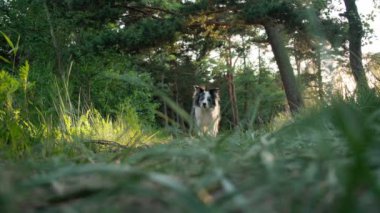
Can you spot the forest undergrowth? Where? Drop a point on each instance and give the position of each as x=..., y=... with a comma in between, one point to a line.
x=84, y=137
x=323, y=160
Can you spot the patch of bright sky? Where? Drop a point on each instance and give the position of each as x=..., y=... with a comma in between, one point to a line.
x=365, y=7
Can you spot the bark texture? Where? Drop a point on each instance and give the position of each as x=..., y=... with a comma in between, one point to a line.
x=277, y=43
x=355, y=34
x=231, y=84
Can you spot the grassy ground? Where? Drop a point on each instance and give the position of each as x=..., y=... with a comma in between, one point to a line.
x=325, y=161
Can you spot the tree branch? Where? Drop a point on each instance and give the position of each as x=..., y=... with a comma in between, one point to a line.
x=149, y=11
x=107, y=143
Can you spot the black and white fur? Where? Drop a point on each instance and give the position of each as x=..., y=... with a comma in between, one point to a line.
x=206, y=110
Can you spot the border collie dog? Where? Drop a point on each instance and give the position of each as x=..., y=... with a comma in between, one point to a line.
x=206, y=110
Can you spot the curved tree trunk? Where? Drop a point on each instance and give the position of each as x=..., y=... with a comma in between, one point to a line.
x=292, y=92
x=355, y=34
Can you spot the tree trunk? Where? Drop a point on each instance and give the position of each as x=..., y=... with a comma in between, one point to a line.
x=318, y=62
x=166, y=115
x=58, y=53
x=231, y=86
x=246, y=84
x=233, y=101
x=355, y=34
x=292, y=92
x=260, y=67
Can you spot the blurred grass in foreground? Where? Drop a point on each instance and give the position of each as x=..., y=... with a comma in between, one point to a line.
x=326, y=160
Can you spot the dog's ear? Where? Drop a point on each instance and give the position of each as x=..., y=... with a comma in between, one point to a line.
x=215, y=91
x=198, y=88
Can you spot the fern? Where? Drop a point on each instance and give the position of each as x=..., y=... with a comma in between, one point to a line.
x=24, y=74
x=8, y=86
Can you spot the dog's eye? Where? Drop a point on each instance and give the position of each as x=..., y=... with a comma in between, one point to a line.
x=209, y=99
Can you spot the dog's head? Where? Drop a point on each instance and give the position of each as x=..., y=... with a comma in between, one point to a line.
x=206, y=98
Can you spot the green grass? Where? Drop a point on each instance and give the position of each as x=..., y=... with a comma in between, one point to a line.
x=326, y=160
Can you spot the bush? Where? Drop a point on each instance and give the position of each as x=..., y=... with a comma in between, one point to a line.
x=110, y=108
x=110, y=85
x=262, y=99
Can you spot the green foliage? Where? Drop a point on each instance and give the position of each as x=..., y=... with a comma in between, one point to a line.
x=277, y=10
x=15, y=129
x=92, y=127
x=145, y=33
x=77, y=120
x=262, y=98
x=103, y=83
x=29, y=122
x=12, y=52
x=324, y=152
x=8, y=86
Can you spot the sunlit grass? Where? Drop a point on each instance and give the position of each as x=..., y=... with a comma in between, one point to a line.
x=323, y=161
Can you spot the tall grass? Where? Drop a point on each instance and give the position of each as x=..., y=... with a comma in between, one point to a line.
x=74, y=159
x=34, y=130
x=324, y=161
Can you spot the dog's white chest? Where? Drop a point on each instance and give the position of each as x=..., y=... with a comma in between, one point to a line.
x=208, y=119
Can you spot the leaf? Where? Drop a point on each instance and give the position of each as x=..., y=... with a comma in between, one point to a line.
x=13, y=50
x=10, y=43
x=5, y=60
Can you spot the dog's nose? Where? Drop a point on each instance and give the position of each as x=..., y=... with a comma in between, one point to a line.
x=204, y=105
